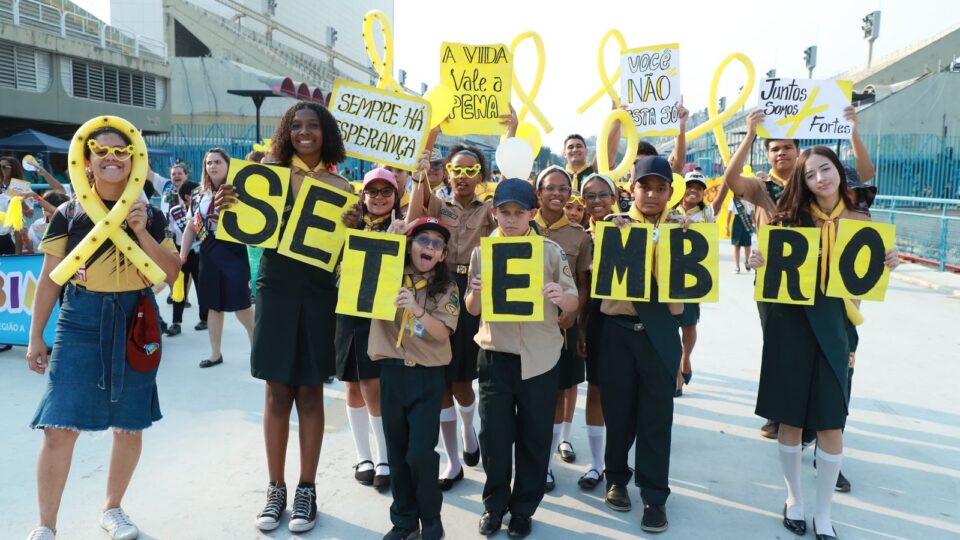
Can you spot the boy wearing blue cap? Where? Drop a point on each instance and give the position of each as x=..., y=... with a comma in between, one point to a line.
x=518, y=374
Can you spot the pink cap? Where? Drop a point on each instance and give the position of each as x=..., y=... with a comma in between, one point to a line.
x=380, y=174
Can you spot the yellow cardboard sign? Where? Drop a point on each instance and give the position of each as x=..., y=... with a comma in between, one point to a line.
x=688, y=263
x=789, y=274
x=622, y=262
x=261, y=194
x=511, y=277
x=371, y=273
x=380, y=125
x=314, y=233
x=479, y=77
x=856, y=265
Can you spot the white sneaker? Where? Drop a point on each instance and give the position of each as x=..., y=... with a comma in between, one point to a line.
x=43, y=533
x=116, y=522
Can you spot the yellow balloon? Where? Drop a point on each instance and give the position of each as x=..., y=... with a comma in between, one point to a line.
x=679, y=188
x=607, y=82
x=14, y=216
x=107, y=224
x=633, y=138
x=717, y=119
x=529, y=133
x=747, y=171
x=383, y=66
x=441, y=103
x=525, y=98
x=178, y=293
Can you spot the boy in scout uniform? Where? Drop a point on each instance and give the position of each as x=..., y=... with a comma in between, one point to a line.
x=519, y=375
x=639, y=361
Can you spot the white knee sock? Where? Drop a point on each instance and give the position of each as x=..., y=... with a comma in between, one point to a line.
x=565, y=434
x=790, y=463
x=828, y=468
x=553, y=444
x=360, y=428
x=448, y=434
x=467, y=431
x=376, y=422
x=595, y=436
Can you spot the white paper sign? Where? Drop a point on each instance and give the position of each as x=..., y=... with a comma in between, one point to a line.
x=650, y=88
x=804, y=109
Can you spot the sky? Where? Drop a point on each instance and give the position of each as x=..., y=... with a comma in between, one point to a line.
x=772, y=34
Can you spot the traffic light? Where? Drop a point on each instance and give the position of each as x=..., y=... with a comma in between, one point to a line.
x=871, y=26
x=403, y=77
x=810, y=57
x=723, y=104
x=772, y=74
x=331, y=36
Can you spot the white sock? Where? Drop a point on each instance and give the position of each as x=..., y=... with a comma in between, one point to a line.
x=565, y=434
x=790, y=463
x=595, y=436
x=448, y=434
x=376, y=422
x=467, y=431
x=553, y=444
x=828, y=468
x=360, y=428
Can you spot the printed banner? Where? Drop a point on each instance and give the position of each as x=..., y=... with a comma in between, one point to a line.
x=511, y=278
x=804, y=109
x=261, y=193
x=479, y=77
x=19, y=276
x=371, y=273
x=650, y=88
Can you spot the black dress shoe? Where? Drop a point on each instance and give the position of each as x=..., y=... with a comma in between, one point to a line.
x=447, y=483
x=618, y=499
x=654, y=518
x=210, y=363
x=173, y=330
x=490, y=522
x=364, y=477
x=796, y=526
x=202, y=325
x=550, y=484
x=678, y=392
x=824, y=536
x=565, y=449
x=471, y=459
x=520, y=526
x=588, y=482
x=687, y=376
x=843, y=485
x=381, y=482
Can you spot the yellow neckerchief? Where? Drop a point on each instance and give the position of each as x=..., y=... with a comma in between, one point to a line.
x=773, y=174
x=309, y=171
x=575, y=174
x=406, y=320
x=558, y=224
x=372, y=223
x=696, y=210
x=530, y=232
x=828, y=237
x=638, y=217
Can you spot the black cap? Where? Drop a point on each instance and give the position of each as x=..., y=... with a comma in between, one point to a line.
x=654, y=166
x=515, y=190
x=429, y=224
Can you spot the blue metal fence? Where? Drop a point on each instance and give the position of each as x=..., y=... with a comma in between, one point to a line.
x=927, y=228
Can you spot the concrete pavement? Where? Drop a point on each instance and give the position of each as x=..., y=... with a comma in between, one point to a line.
x=203, y=471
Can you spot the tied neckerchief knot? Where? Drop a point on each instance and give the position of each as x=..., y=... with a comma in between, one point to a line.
x=407, y=319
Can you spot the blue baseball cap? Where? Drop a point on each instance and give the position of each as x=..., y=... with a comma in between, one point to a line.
x=515, y=190
x=654, y=166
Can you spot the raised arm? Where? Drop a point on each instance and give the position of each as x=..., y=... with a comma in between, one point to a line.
x=732, y=176
x=861, y=156
x=678, y=158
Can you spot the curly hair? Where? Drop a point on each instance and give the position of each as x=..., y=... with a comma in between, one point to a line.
x=797, y=197
x=331, y=149
x=475, y=153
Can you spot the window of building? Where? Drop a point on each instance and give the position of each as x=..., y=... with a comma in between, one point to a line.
x=23, y=68
x=98, y=82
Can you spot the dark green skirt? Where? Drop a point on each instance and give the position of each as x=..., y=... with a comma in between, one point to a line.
x=690, y=315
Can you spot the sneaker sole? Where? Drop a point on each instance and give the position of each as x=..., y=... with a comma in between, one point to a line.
x=660, y=529
x=302, y=527
x=617, y=508
x=266, y=525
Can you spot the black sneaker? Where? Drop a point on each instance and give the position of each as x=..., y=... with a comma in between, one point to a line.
x=654, y=518
x=202, y=325
x=173, y=330
x=401, y=533
x=269, y=518
x=304, y=508
x=431, y=529
x=843, y=485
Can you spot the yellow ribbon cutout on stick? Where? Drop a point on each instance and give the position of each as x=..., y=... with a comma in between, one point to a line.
x=383, y=66
x=607, y=82
x=633, y=138
x=107, y=224
x=717, y=119
x=525, y=98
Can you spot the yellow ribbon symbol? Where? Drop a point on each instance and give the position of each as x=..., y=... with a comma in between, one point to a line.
x=383, y=66
x=633, y=138
x=107, y=225
x=607, y=82
x=527, y=99
x=717, y=119
x=797, y=118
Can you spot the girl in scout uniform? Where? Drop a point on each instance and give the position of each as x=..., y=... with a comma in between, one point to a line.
x=575, y=210
x=380, y=202
x=468, y=219
x=411, y=351
x=92, y=386
x=293, y=339
x=553, y=186
x=223, y=282
x=519, y=375
x=803, y=378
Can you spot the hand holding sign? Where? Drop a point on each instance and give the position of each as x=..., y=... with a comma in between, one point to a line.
x=805, y=109
x=553, y=292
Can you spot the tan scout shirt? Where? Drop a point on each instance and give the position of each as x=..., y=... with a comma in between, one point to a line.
x=423, y=350
x=537, y=343
x=575, y=243
x=755, y=192
x=467, y=225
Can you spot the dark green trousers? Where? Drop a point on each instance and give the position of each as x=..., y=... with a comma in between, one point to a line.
x=410, y=400
x=516, y=419
x=636, y=394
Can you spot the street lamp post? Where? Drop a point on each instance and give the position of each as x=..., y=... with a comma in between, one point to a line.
x=871, y=31
x=810, y=59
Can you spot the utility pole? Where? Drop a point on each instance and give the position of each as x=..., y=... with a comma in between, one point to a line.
x=810, y=59
x=871, y=31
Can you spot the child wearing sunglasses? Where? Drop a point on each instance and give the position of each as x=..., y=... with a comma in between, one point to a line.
x=411, y=351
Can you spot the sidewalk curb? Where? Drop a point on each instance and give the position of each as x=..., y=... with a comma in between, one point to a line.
x=920, y=282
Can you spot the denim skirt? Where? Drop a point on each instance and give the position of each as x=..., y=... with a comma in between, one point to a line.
x=91, y=385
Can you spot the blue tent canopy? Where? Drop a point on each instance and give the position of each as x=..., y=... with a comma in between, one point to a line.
x=32, y=141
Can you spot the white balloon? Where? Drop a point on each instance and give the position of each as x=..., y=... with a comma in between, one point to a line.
x=515, y=158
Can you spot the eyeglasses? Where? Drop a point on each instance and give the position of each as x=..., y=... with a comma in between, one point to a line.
x=425, y=241
x=468, y=172
x=120, y=153
x=557, y=189
x=383, y=192
x=605, y=196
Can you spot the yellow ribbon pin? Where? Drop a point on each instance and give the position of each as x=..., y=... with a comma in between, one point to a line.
x=384, y=65
x=717, y=119
x=107, y=224
x=525, y=98
x=607, y=82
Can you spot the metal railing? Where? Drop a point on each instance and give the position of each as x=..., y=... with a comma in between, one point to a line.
x=927, y=228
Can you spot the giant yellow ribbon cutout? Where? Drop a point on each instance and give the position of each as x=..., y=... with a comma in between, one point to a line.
x=607, y=82
x=384, y=65
x=633, y=138
x=525, y=98
x=717, y=119
x=107, y=224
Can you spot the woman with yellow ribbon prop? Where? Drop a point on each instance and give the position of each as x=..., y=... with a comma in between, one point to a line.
x=101, y=377
x=806, y=348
